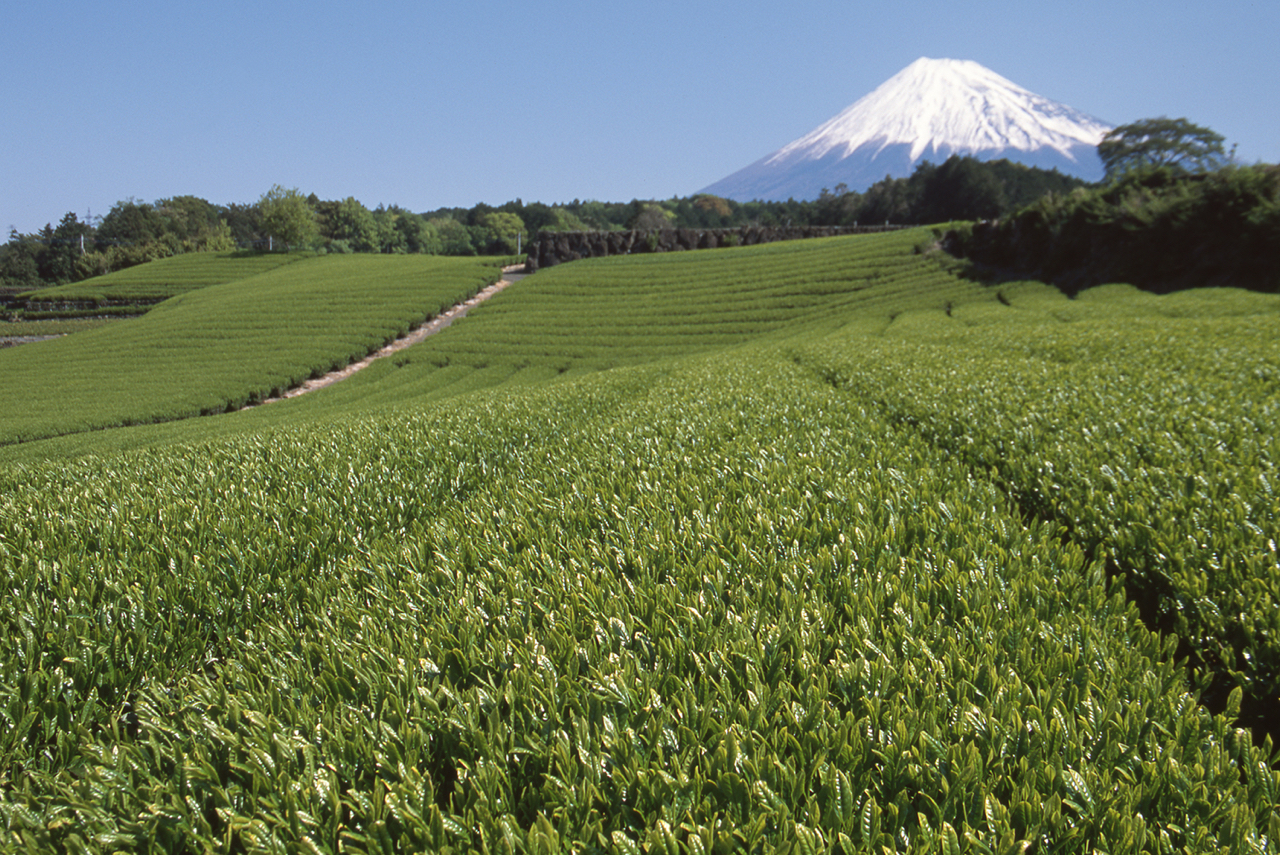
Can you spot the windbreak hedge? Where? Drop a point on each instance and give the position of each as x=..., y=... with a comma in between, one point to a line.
x=1159, y=229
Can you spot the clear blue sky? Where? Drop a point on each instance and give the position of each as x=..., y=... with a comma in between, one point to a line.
x=427, y=104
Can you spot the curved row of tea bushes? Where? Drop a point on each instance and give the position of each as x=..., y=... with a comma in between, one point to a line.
x=617, y=311
x=1144, y=424
x=597, y=314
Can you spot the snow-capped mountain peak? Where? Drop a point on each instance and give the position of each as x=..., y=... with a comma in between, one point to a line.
x=956, y=104
x=931, y=109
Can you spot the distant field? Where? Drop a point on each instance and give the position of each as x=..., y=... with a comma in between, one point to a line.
x=812, y=548
x=167, y=277
x=604, y=313
x=221, y=346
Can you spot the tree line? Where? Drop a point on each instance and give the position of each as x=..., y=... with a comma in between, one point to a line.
x=1159, y=227
x=133, y=231
x=1176, y=211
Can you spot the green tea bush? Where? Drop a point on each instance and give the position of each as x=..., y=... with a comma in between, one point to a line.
x=1140, y=423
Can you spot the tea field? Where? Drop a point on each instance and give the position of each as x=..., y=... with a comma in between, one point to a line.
x=674, y=554
x=219, y=347
x=1149, y=437
x=164, y=278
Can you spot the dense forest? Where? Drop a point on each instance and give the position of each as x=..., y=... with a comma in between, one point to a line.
x=133, y=231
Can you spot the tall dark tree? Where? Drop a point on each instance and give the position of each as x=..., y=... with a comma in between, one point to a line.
x=20, y=262
x=64, y=245
x=962, y=188
x=130, y=223
x=888, y=201
x=1024, y=184
x=245, y=222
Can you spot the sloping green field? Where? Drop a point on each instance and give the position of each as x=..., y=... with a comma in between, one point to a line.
x=606, y=313
x=810, y=547
x=167, y=277
x=219, y=347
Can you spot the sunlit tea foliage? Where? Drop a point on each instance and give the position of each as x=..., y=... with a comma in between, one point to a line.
x=856, y=569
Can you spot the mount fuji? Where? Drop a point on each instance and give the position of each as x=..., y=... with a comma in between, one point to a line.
x=932, y=109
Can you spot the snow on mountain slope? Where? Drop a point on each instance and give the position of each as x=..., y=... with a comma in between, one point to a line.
x=931, y=109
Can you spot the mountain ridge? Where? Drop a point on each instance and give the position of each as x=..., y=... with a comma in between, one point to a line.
x=933, y=108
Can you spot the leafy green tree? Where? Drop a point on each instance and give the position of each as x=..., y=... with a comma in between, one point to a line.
x=1175, y=143
x=390, y=239
x=130, y=223
x=188, y=217
x=354, y=223
x=287, y=217
x=454, y=237
x=500, y=230
x=417, y=234
x=562, y=220
x=215, y=238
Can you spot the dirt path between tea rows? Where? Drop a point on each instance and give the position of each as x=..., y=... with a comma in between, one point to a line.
x=15, y=340
x=430, y=328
